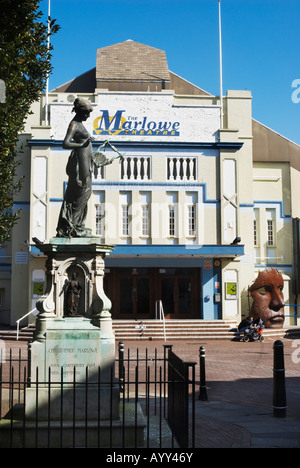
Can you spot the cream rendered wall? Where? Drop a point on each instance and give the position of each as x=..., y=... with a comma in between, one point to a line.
x=295, y=192
x=57, y=178
x=237, y=119
x=21, y=285
x=238, y=127
x=20, y=268
x=20, y=239
x=208, y=176
x=272, y=185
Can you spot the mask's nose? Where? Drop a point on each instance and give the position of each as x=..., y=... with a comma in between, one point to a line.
x=276, y=301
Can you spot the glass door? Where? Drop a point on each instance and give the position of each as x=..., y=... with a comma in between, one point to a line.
x=134, y=294
x=179, y=292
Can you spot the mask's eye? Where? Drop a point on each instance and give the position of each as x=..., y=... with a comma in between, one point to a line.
x=262, y=291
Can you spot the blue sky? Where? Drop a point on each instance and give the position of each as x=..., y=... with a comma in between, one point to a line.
x=260, y=43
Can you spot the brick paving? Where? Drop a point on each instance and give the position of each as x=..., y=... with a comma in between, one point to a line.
x=239, y=381
x=237, y=372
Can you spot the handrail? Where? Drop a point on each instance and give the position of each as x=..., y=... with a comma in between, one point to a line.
x=24, y=316
x=159, y=306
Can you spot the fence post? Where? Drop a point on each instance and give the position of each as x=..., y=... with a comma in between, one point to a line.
x=202, y=394
x=121, y=366
x=167, y=349
x=279, y=393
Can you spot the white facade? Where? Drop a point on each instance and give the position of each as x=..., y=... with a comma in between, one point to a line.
x=191, y=217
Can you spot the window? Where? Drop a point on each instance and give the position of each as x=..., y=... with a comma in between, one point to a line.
x=145, y=220
x=125, y=220
x=172, y=220
x=145, y=198
x=270, y=232
x=172, y=201
x=99, y=220
x=125, y=204
x=270, y=227
x=255, y=232
x=192, y=220
x=256, y=227
x=99, y=214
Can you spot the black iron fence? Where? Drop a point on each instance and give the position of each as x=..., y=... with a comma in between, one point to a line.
x=145, y=400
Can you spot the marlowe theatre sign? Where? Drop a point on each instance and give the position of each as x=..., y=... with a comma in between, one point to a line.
x=141, y=117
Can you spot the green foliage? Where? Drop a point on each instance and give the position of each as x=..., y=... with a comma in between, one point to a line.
x=24, y=67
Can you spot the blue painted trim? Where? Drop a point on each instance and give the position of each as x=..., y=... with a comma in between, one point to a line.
x=280, y=203
x=186, y=250
x=149, y=184
x=149, y=144
x=23, y=205
x=175, y=250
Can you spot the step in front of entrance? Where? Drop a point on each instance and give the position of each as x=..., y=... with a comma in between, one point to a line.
x=174, y=329
x=181, y=330
x=154, y=330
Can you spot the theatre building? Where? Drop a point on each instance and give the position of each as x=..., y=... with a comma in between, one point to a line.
x=194, y=208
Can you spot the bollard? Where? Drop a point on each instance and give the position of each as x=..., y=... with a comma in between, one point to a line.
x=203, y=393
x=279, y=393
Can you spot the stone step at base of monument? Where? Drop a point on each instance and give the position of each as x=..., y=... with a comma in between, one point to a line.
x=75, y=434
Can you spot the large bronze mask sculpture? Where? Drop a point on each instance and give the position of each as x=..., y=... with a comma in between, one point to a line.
x=267, y=294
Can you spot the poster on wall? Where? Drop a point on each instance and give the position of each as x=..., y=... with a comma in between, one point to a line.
x=231, y=290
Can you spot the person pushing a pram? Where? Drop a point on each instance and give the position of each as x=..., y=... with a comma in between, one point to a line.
x=252, y=329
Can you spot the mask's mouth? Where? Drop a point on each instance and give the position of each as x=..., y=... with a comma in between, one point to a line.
x=277, y=318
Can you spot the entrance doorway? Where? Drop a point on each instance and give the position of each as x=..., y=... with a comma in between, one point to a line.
x=134, y=292
x=134, y=296
x=179, y=292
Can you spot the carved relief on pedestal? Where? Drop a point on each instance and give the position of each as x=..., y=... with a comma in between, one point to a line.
x=75, y=287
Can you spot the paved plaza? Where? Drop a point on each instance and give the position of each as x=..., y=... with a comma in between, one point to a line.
x=239, y=383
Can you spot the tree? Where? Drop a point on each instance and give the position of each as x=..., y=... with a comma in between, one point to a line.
x=24, y=67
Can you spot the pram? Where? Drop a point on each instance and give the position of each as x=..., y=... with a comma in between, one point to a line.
x=253, y=333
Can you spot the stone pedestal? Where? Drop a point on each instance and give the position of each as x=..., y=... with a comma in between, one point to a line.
x=78, y=358
x=72, y=357
x=84, y=258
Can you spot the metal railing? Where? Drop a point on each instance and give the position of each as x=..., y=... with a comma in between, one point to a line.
x=33, y=312
x=159, y=312
x=152, y=388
